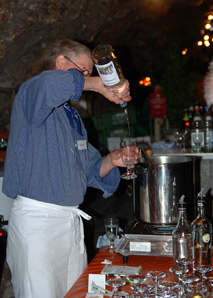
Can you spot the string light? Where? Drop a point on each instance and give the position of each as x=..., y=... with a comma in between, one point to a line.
x=145, y=82
x=184, y=51
x=207, y=32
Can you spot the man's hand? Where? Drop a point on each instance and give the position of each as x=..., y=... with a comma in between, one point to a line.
x=96, y=84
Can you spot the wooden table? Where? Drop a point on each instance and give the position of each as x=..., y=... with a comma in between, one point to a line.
x=148, y=263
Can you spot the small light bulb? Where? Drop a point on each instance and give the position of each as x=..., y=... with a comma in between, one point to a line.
x=199, y=43
x=207, y=26
x=206, y=37
x=206, y=43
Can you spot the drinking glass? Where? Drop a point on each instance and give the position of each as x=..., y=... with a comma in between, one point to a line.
x=128, y=158
x=142, y=288
x=198, y=138
x=116, y=283
x=169, y=288
x=136, y=279
x=184, y=263
x=111, y=228
x=156, y=276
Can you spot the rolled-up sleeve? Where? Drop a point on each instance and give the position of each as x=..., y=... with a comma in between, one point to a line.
x=109, y=183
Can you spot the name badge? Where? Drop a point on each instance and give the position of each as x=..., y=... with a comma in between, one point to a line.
x=82, y=144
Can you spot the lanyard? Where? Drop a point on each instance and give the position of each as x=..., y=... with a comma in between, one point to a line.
x=72, y=114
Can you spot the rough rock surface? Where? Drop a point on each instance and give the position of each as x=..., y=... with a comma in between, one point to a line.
x=131, y=26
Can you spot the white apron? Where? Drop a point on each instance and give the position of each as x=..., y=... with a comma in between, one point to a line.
x=45, y=249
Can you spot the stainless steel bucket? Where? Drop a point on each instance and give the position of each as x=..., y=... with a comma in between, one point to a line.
x=166, y=179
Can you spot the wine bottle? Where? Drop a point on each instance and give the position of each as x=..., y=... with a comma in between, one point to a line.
x=202, y=234
x=182, y=235
x=109, y=69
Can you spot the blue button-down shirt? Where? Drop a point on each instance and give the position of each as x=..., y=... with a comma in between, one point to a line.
x=44, y=160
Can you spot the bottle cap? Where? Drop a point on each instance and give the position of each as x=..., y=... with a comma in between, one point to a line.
x=201, y=194
x=182, y=203
x=201, y=198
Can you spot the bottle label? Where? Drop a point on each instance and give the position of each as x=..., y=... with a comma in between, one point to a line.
x=206, y=238
x=108, y=74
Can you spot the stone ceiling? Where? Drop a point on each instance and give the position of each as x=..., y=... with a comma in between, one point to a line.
x=26, y=26
x=137, y=29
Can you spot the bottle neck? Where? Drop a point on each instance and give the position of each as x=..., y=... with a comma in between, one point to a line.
x=201, y=211
x=182, y=219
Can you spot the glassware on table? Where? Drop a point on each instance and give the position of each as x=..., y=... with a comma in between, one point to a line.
x=116, y=283
x=203, y=270
x=198, y=289
x=136, y=279
x=111, y=228
x=198, y=139
x=185, y=263
x=156, y=277
x=170, y=288
x=128, y=158
x=141, y=288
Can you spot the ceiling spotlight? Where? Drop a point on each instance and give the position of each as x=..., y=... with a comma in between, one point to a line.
x=199, y=43
x=210, y=17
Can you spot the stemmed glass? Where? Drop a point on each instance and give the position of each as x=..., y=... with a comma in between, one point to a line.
x=156, y=276
x=128, y=158
x=184, y=263
x=198, y=138
x=116, y=283
x=169, y=288
x=203, y=270
x=111, y=228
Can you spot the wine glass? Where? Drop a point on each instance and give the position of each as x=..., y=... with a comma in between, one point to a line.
x=156, y=276
x=141, y=288
x=185, y=262
x=116, y=283
x=111, y=228
x=128, y=158
x=169, y=288
x=197, y=138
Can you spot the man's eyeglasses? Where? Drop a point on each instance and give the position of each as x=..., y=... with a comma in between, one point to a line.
x=85, y=72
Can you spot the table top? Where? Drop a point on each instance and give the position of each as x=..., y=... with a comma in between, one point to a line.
x=148, y=263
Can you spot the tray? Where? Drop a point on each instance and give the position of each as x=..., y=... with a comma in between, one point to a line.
x=153, y=245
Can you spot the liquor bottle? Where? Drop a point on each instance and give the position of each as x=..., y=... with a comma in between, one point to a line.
x=202, y=234
x=109, y=69
x=208, y=130
x=197, y=132
x=182, y=235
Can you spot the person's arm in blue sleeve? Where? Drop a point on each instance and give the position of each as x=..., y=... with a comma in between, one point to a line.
x=104, y=173
x=41, y=94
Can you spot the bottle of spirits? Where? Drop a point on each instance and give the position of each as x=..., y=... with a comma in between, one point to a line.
x=182, y=236
x=202, y=234
x=208, y=130
x=109, y=69
x=197, y=132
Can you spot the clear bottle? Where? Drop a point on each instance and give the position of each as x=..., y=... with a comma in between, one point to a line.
x=182, y=235
x=109, y=69
x=202, y=234
x=208, y=130
x=197, y=129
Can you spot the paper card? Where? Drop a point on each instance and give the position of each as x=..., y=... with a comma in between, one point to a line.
x=140, y=246
x=98, y=279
